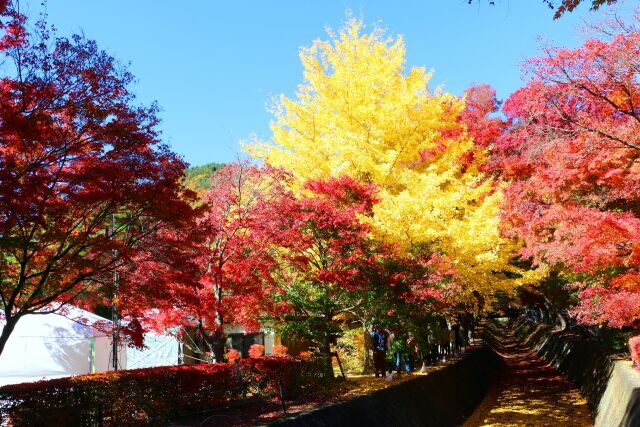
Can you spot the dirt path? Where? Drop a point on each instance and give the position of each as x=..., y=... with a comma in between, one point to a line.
x=528, y=391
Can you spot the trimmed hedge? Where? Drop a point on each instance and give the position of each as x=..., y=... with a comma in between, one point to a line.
x=149, y=396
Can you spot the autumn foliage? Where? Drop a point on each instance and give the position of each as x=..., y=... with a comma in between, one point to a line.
x=256, y=350
x=360, y=113
x=222, y=270
x=153, y=395
x=426, y=201
x=378, y=200
x=84, y=180
x=572, y=157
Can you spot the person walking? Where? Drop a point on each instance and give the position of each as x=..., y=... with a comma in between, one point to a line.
x=400, y=345
x=379, y=341
x=457, y=338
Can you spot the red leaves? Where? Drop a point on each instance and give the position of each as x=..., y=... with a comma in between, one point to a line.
x=232, y=356
x=75, y=154
x=229, y=258
x=572, y=156
x=346, y=192
x=582, y=238
x=14, y=31
x=325, y=237
x=616, y=302
x=480, y=104
x=634, y=345
x=143, y=396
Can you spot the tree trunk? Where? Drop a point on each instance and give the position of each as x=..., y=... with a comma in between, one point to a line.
x=9, y=326
x=367, y=366
x=326, y=351
x=217, y=345
x=217, y=339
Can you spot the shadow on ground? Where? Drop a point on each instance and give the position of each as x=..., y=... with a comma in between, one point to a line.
x=527, y=391
x=442, y=398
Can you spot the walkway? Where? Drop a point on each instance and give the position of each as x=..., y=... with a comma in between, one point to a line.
x=527, y=391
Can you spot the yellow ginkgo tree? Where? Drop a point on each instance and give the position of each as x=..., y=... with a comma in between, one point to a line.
x=360, y=113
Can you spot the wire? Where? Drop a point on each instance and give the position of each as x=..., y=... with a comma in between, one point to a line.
x=148, y=355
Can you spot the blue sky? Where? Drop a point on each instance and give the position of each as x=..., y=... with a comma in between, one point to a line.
x=213, y=65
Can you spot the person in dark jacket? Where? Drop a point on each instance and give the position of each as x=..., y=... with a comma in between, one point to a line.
x=379, y=343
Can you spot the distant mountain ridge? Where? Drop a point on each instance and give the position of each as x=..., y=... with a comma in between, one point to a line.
x=197, y=177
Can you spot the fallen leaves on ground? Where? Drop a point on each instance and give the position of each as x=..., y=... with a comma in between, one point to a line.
x=528, y=392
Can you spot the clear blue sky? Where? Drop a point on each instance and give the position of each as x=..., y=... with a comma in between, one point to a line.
x=213, y=65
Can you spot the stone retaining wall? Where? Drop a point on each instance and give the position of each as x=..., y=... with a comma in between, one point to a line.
x=442, y=398
x=612, y=388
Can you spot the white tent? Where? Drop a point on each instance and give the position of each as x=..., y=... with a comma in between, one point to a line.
x=160, y=350
x=44, y=346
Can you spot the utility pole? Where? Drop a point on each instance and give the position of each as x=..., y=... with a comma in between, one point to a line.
x=115, y=317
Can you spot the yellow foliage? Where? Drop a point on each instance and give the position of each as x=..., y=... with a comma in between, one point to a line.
x=359, y=113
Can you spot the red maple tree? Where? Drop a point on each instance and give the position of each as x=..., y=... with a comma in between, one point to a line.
x=228, y=260
x=324, y=257
x=572, y=156
x=84, y=179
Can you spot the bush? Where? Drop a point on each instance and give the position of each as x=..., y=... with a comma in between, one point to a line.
x=615, y=340
x=634, y=347
x=147, y=396
x=256, y=350
x=232, y=356
x=279, y=350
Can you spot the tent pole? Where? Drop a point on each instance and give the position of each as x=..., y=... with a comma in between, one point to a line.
x=93, y=354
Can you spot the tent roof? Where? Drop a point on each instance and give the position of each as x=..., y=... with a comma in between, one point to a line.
x=69, y=322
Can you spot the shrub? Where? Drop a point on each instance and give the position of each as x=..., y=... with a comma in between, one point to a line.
x=279, y=350
x=232, y=356
x=305, y=355
x=256, y=350
x=149, y=396
x=294, y=375
x=634, y=347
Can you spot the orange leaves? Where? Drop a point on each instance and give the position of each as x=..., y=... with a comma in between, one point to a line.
x=629, y=281
x=305, y=355
x=232, y=356
x=634, y=256
x=256, y=350
x=279, y=350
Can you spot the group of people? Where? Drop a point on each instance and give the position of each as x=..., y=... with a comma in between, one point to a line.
x=397, y=349
x=448, y=338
